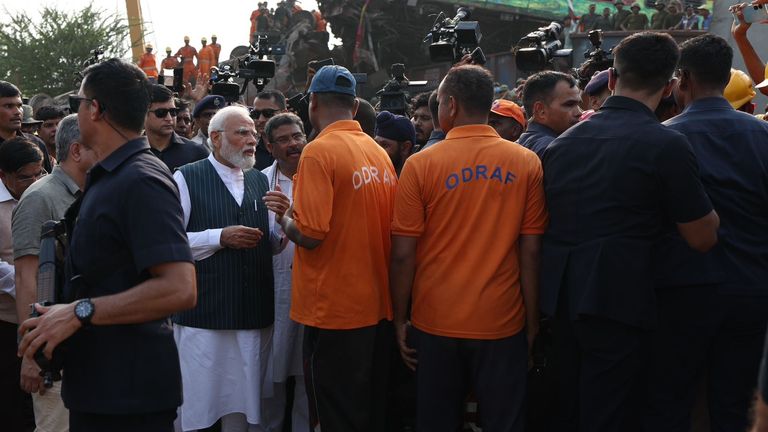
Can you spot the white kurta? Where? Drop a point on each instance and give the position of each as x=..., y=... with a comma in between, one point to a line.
x=222, y=371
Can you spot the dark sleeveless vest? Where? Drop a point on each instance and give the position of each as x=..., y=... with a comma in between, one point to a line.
x=235, y=288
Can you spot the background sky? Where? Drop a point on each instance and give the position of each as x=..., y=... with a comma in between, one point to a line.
x=168, y=21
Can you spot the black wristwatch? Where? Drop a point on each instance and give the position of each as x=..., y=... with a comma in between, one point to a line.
x=84, y=311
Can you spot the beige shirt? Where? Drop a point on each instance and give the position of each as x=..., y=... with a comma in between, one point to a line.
x=7, y=204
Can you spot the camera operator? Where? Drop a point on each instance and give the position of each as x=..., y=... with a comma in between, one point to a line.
x=551, y=100
x=612, y=185
x=267, y=104
x=129, y=267
x=712, y=307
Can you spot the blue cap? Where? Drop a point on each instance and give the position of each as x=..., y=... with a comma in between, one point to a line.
x=395, y=127
x=598, y=82
x=333, y=79
x=209, y=102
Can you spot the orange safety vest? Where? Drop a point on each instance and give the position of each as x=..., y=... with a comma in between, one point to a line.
x=148, y=64
x=205, y=59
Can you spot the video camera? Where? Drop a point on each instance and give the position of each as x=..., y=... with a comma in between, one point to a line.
x=597, y=53
x=537, y=49
x=452, y=38
x=96, y=57
x=394, y=97
x=252, y=67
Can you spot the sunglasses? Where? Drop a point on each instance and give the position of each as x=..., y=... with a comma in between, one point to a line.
x=74, y=103
x=162, y=112
x=267, y=113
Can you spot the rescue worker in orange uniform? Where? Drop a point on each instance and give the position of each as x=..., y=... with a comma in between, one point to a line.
x=259, y=20
x=206, y=58
x=169, y=62
x=148, y=64
x=320, y=22
x=188, y=55
x=216, y=49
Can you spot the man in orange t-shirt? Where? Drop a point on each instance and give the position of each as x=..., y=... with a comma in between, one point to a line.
x=466, y=234
x=344, y=194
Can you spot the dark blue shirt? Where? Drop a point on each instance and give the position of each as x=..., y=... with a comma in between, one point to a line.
x=611, y=184
x=180, y=152
x=537, y=138
x=732, y=150
x=130, y=220
x=435, y=137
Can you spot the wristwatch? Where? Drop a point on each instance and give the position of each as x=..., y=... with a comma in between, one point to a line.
x=84, y=311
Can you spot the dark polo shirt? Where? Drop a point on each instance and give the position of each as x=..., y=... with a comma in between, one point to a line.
x=537, y=138
x=180, y=152
x=130, y=220
x=612, y=184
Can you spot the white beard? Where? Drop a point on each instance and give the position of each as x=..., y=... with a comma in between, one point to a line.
x=237, y=158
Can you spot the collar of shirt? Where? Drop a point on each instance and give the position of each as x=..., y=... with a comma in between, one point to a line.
x=709, y=104
x=629, y=104
x=471, y=131
x=66, y=180
x=539, y=129
x=124, y=152
x=4, y=194
x=436, y=135
x=341, y=125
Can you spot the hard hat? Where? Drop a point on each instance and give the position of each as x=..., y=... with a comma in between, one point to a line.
x=168, y=49
x=213, y=37
x=203, y=39
x=186, y=38
x=148, y=46
x=739, y=89
x=635, y=5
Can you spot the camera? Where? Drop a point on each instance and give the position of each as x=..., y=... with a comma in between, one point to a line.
x=597, y=53
x=394, y=97
x=451, y=38
x=537, y=49
x=223, y=83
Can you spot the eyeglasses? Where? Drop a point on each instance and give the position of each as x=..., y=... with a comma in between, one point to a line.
x=267, y=113
x=185, y=119
x=32, y=178
x=74, y=103
x=244, y=132
x=286, y=139
x=162, y=112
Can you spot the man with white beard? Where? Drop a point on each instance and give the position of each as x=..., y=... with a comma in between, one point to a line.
x=225, y=341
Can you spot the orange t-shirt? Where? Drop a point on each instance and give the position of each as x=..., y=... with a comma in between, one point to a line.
x=148, y=64
x=344, y=194
x=468, y=199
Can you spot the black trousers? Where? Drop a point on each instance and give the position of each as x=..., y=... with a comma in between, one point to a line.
x=15, y=405
x=151, y=422
x=600, y=372
x=347, y=377
x=449, y=368
x=705, y=334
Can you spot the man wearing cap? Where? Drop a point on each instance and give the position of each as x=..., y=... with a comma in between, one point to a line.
x=169, y=62
x=206, y=58
x=216, y=49
x=29, y=125
x=620, y=15
x=597, y=90
x=551, y=100
x=344, y=194
x=507, y=118
x=204, y=110
x=396, y=135
x=188, y=54
x=659, y=18
x=635, y=20
x=11, y=118
x=148, y=63
x=706, y=18
x=712, y=307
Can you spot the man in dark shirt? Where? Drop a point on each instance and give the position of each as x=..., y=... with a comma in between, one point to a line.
x=129, y=267
x=159, y=124
x=712, y=307
x=612, y=183
x=551, y=100
x=265, y=106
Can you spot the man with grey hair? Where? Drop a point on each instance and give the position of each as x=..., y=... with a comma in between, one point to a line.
x=47, y=199
x=231, y=325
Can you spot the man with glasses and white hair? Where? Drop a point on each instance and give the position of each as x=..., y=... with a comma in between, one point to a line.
x=231, y=326
x=47, y=199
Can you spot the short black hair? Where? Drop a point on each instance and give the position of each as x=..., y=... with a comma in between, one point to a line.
x=434, y=104
x=336, y=100
x=420, y=100
x=540, y=87
x=708, y=58
x=275, y=96
x=8, y=90
x=122, y=91
x=281, y=119
x=17, y=152
x=366, y=116
x=181, y=104
x=471, y=86
x=49, y=112
x=645, y=61
x=159, y=93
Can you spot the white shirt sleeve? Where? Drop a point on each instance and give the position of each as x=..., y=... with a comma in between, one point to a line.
x=202, y=243
x=7, y=282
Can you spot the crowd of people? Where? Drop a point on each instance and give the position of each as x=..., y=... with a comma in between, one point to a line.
x=670, y=15
x=244, y=267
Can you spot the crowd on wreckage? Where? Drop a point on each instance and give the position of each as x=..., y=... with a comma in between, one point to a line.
x=584, y=250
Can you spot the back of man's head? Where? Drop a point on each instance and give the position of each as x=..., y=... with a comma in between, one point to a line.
x=121, y=89
x=8, y=90
x=541, y=87
x=48, y=112
x=366, y=116
x=277, y=97
x=433, y=107
x=644, y=62
x=471, y=87
x=67, y=133
x=159, y=93
x=707, y=58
